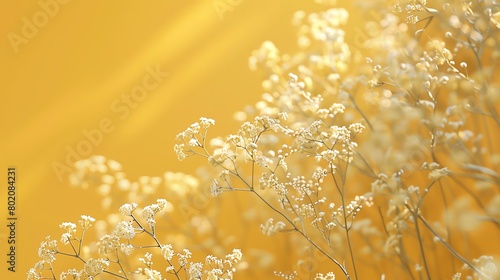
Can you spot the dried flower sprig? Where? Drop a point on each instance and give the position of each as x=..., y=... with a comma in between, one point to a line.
x=431, y=115
x=116, y=251
x=403, y=121
x=301, y=199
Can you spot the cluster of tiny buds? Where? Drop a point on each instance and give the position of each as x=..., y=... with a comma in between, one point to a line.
x=271, y=228
x=109, y=245
x=293, y=275
x=435, y=172
x=355, y=206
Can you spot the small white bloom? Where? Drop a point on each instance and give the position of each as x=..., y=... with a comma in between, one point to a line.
x=127, y=249
x=124, y=229
x=86, y=221
x=167, y=252
x=95, y=267
x=127, y=209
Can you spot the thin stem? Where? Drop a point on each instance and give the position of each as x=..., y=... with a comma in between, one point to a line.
x=420, y=242
x=360, y=112
x=451, y=250
x=158, y=244
x=303, y=234
x=114, y=274
x=120, y=265
x=251, y=188
x=351, y=253
x=346, y=227
x=447, y=213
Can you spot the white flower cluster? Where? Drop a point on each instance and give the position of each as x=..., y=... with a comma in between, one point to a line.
x=271, y=228
x=117, y=247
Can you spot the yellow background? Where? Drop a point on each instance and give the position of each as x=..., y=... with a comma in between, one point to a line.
x=64, y=79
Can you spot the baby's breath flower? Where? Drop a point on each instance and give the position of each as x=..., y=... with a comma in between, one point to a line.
x=306, y=210
x=151, y=221
x=167, y=252
x=337, y=108
x=124, y=229
x=161, y=203
x=95, y=267
x=214, y=274
x=108, y=243
x=270, y=228
x=330, y=225
x=328, y=276
x=35, y=273
x=150, y=274
x=127, y=249
x=70, y=274
x=114, y=165
x=437, y=173
x=194, y=143
x=330, y=155
x=179, y=151
x=323, y=113
x=149, y=211
x=215, y=188
x=47, y=250
x=356, y=127
x=86, y=221
x=68, y=227
x=195, y=271
x=127, y=209
x=66, y=238
x=206, y=122
x=147, y=259
x=69, y=234
x=424, y=94
x=39, y=266
x=487, y=265
x=234, y=257
x=286, y=276
x=184, y=257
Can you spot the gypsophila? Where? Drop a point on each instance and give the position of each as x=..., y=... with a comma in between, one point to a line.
x=371, y=154
x=120, y=246
x=124, y=229
x=86, y=221
x=127, y=209
x=47, y=250
x=95, y=267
